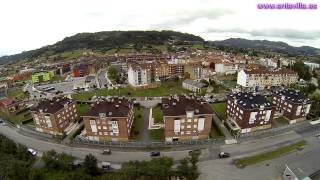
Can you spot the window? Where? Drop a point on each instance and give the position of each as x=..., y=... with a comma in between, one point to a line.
x=182, y=127
x=182, y=133
x=195, y=120
x=105, y=133
x=104, y=127
x=189, y=114
x=308, y=108
x=298, y=112
x=48, y=121
x=182, y=120
x=114, y=126
x=195, y=126
x=268, y=115
x=188, y=132
x=177, y=126
x=93, y=126
x=189, y=120
x=189, y=126
x=201, y=124
x=99, y=127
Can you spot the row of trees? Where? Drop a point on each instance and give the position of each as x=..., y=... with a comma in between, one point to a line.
x=16, y=164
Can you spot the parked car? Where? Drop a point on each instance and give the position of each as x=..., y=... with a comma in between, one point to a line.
x=32, y=151
x=106, y=152
x=155, y=154
x=1, y=122
x=224, y=155
x=197, y=151
x=106, y=165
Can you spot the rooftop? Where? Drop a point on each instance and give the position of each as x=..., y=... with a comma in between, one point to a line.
x=110, y=107
x=178, y=105
x=260, y=70
x=293, y=96
x=52, y=106
x=249, y=100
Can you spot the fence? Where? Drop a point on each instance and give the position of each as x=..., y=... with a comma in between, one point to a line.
x=278, y=130
x=152, y=144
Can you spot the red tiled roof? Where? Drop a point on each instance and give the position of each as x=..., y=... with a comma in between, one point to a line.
x=6, y=101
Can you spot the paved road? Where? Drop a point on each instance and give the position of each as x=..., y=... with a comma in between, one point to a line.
x=210, y=166
x=145, y=132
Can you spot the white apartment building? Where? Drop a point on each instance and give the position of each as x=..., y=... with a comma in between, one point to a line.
x=261, y=78
x=141, y=74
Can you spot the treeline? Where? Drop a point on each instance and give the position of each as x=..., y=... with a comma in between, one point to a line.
x=17, y=164
x=107, y=40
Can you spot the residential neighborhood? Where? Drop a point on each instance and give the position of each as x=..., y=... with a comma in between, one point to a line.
x=159, y=90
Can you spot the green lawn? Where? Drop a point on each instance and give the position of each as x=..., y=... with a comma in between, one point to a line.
x=138, y=122
x=220, y=108
x=269, y=155
x=82, y=108
x=165, y=89
x=16, y=119
x=17, y=93
x=215, y=131
x=57, y=78
x=281, y=120
x=157, y=114
x=157, y=134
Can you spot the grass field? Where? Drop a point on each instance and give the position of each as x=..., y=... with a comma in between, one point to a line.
x=137, y=123
x=157, y=134
x=157, y=114
x=16, y=119
x=165, y=89
x=269, y=155
x=16, y=93
x=82, y=108
x=281, y=120
x=220, y=108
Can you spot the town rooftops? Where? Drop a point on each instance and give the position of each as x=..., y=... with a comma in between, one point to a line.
x=52, y=106
x=145, y=65
x=293, y=96
x=249, y=100
x=178, y=105
x=194, y=83
x=110, y=107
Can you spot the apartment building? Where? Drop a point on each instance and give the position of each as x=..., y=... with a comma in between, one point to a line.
x=54, y=116
x=141, y=75
x=42, y=76
x=249, y=111
x=292, y=104
x=110, y=119
x=193, y=71
x=84, y=69
x=261, y=78
x=186, y=118
x=176, y=70
x=162, y=70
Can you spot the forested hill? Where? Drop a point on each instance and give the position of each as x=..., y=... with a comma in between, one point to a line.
x=105, y=41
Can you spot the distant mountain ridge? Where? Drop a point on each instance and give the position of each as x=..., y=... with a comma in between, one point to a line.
x=104, y=41
x=265, y=45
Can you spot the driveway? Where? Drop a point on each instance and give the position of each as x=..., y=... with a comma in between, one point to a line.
x=145, y=131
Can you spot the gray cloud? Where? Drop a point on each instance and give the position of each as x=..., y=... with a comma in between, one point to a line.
x=276, y=33
x=187, y=17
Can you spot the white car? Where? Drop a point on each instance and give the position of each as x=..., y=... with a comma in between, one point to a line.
x=32, y=151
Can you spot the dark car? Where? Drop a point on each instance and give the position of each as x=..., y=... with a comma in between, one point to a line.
x=196, y=151
x=224, y=155
x=106, y=152
x=155, y=154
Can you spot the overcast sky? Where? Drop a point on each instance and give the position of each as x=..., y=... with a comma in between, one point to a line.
x=30, y=24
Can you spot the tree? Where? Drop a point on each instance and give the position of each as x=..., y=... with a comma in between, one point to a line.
x=188, y=167
x=90, y=165
x=302, y=70
x=56, y=161
x=36, y=174
x=113, y=74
